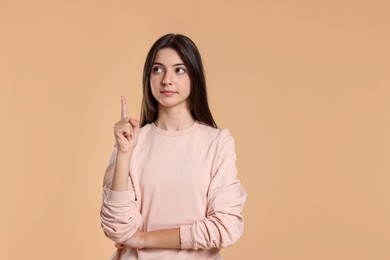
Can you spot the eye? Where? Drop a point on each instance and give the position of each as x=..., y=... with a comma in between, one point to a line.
x=157, y=69
x=180, y=70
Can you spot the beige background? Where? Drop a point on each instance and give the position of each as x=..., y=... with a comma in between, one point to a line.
x=303, y=86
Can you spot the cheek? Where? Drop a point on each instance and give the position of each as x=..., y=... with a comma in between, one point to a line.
x=153, y=88
x=154, y=82
x=188, y=86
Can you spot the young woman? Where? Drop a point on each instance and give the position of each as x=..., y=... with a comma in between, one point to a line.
x=170, y=190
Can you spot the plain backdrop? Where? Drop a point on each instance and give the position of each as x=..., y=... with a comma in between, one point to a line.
x=303, y=86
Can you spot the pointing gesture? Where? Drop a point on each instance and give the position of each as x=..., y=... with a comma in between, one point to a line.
x=126, y=130
x=124, y=107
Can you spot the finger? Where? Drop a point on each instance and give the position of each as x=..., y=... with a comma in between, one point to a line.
x=123, y=128
x=134, y=122
x=119, y=245
x=120, y=128
x=125, y=120
x=123, y=123
x=124, y=107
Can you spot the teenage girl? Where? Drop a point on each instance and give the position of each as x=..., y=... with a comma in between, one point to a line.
x=170, y=190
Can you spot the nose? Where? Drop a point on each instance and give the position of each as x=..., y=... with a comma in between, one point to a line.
x=166, y=81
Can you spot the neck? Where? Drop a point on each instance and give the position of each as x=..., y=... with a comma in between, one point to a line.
x=174, y=119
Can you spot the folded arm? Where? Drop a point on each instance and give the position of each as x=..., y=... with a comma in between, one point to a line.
x=223, y=224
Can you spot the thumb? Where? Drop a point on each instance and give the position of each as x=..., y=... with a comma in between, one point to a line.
x=135, y=124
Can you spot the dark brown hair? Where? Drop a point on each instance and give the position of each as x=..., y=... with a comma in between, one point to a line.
x=189, y=53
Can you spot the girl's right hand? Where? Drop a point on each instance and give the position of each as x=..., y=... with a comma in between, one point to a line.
x=126, y=131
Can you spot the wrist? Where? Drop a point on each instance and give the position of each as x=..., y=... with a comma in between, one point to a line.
x=124, y=155
x=143, y=239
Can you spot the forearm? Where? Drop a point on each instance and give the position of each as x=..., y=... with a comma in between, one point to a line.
x=121, y=172
x=163, y=238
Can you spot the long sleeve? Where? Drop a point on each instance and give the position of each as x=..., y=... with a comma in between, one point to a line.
x=223, y=224
x=119, y=215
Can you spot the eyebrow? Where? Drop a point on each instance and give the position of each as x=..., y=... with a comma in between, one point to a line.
x=174, y=65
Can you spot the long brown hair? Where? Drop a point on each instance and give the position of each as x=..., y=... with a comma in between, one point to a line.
x=189, y=53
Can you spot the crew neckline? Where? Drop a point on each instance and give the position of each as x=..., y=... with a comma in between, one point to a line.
x=156, y=129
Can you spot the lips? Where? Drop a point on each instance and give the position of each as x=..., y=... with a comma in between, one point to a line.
x=167, y=93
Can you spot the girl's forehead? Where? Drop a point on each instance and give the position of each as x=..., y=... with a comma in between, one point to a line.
x=168, y=56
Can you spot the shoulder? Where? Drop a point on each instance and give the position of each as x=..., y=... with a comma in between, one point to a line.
x=219, y=135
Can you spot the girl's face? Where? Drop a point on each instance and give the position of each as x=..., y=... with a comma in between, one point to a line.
x=169, y=80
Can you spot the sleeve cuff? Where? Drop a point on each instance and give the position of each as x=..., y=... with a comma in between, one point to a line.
x=186, y=237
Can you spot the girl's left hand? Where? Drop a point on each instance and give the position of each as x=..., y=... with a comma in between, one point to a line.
x=136, y=241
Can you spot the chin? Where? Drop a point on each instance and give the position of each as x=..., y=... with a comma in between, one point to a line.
x=172, y=104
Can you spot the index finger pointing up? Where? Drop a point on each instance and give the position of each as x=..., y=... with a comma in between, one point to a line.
x=124, y=108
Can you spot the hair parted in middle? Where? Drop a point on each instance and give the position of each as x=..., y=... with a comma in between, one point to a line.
x=190, y=55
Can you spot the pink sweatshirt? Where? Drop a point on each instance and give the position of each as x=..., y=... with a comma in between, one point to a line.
x=185, y=179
